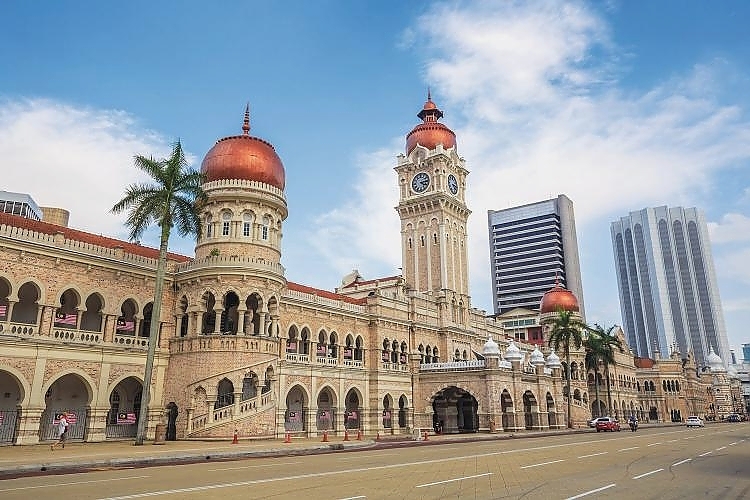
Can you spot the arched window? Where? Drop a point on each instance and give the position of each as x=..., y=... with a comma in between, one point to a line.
x=247, y=225
x=226, y=221
x=209, y=226
x=264, y=228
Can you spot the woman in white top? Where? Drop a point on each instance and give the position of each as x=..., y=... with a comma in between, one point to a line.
x=62, y=431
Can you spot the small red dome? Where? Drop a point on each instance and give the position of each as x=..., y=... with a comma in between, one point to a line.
x=558, y=298
x=244, y=157
x=430, y=132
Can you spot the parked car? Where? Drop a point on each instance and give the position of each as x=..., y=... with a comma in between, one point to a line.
x=733, y=417
x=693, y=421
x=592, y=422
x=607, y=424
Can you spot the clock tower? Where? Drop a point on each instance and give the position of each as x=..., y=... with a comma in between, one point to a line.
x=432, y=209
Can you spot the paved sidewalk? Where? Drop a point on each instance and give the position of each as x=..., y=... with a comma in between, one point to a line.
x=39, y=459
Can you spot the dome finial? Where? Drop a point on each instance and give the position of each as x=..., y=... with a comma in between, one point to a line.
x=429, y=94
x=246, y=122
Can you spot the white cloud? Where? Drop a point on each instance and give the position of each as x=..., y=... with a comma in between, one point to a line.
x=732, y=227
x=79, y=159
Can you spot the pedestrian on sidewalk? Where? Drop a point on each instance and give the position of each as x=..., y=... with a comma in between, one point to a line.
x=62, y=431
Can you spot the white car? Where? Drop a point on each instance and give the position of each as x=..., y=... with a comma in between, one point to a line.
x=592, y=422
x=694, y=421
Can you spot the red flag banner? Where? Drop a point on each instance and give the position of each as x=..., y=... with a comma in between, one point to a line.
x=125, y=326
x=62, y=318
x=125, y=418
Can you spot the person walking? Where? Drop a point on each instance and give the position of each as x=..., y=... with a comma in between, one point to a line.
x=62, y=431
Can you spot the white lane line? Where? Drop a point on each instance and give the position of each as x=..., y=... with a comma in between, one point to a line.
x=353, y=498
x=704, y=454
x=253, y=466
x=592, y=491
x=674, y=440
x=454, y=480
x=654, y=444
x=648, y=473
x=626, y=449
x=543, y=463
x=732, y=444
x=57, y=485
x=594, y=454
x=681, y=462
x=719, y=449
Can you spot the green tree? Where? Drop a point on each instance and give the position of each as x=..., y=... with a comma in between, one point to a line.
x=606, y=345
x=592, y=359
x=566, y=329
x=173, y=200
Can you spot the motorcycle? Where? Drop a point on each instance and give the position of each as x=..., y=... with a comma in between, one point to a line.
x=633, y=425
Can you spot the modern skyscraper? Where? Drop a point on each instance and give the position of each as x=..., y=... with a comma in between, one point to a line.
x=667, y=283
x=530, y=247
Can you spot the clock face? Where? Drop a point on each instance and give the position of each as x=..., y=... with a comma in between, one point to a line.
x=452, y=184
x=420, y=182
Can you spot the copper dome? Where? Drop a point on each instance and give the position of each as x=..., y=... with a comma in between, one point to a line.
x=558, y=298
x=244, y=157
x=430, y=132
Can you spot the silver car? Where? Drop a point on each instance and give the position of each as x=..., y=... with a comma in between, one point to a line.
x=693, y=421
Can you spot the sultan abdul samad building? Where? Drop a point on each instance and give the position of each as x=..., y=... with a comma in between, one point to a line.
x=241, y=347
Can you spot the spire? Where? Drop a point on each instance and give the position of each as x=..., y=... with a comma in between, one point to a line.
x=246, y=122
x=429, y=95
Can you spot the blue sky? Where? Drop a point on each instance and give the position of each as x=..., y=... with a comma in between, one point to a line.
x=619, y=105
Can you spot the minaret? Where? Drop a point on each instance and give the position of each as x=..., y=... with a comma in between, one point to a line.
x=432, y=208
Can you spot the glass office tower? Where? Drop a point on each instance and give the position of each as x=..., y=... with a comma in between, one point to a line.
x=669, y=297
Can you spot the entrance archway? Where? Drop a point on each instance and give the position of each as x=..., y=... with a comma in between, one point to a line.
x=551, y=414
x=296, y=404
x=326, y=413
x=403, y=407
x=122, y=419
x=529, y=409
x=506, y=404
x=454, y=410
x=353, y=413
x=13, y=393
x=71, y=394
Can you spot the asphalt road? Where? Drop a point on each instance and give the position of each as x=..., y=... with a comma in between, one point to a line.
x=663, y=463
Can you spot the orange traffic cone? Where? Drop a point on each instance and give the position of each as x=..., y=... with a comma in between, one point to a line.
x=346, y=435
x=359, y=434
x=325, y=436
x=235, y=440
x=425, y=436
x=288, y=438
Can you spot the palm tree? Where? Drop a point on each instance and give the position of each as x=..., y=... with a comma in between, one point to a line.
x=592, y=360
x=606, y=344
x=566, y=329
x=173, y=200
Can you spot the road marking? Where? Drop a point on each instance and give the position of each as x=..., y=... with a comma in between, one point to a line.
x=543, y=463
x=674, y=440
x=594, y=454
x=732, y=444
x=681, y=462
x=592, y=491
x=353, y=498
x=648, y=473
x=453, y=480
x=704, y=454
x=654, y=444
x=719, y=449
x=626, y=449
x=253, y=466
x=56, y=485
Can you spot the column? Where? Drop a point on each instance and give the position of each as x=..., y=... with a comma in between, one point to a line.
x=79, y=313
x=264, y=324
x=178, y=325
x=200, y=316
x=9, y=312
x=241, y=321
x=217, y=320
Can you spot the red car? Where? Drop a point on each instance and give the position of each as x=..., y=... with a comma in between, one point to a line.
x=607, y=424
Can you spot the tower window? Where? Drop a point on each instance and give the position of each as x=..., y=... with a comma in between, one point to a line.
x=434, y=238
x=225, y=228
x=246, y=228
x=409, y=243
x=421, y=240
x=264, y=229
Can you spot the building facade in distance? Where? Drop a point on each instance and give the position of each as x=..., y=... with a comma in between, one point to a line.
x=669, y=296
x=531, y=247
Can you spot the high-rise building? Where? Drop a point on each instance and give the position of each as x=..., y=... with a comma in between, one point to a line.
x=19, y=204
x=531, y=247
x=746, y=353
x=669, y=296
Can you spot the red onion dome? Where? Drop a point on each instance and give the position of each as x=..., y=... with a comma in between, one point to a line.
x=244, y=157
x=558, y=298
x=430, y=132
